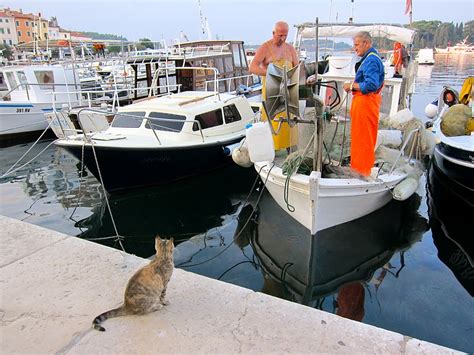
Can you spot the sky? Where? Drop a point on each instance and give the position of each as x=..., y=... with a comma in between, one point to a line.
x=248, y=20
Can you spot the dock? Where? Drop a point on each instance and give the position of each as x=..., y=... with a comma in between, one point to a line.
x=53, y=285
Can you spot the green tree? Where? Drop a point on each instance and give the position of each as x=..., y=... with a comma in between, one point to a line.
x=5, y=51
x=146, y=43
x=468, y=31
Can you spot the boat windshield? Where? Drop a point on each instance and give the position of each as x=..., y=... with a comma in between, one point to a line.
x=128, y=119
x=162, y=121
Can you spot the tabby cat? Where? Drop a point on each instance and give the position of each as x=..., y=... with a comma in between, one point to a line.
x=146, y=290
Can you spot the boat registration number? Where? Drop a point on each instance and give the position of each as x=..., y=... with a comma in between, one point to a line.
x=22, y=110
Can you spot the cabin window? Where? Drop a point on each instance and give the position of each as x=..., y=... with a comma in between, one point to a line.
x=162, y=121
x=12, y=80
x=23, y=80
x=228, y=65
x=128, y=119
x=220, y=65
x=236, y=54
x=231, y=114
x=45, y=78
x=208, y=119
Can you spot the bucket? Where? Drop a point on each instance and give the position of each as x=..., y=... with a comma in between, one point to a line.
x=260, y=142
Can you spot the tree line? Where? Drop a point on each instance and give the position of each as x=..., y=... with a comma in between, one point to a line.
x=433, y=34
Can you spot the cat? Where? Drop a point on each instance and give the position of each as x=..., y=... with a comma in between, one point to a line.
x=146, y=290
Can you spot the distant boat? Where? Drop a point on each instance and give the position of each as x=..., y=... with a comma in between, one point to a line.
x=462, y=47
x=425, y=56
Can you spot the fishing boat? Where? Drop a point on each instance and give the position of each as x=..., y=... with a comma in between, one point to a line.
x=318, y=199
x=454, y=151
x=228, y=57
x=160, y=139
x=29, y=95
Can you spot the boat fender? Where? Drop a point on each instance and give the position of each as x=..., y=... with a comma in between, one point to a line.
x=389, y=137
x=228, y=149
x=260, y=142
x=240, y=155
x=405, y=189
x=431, y=110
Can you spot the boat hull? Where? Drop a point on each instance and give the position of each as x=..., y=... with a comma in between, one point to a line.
x=125, y=168
x=456, y=164
x=320, y=203
x=21, y=118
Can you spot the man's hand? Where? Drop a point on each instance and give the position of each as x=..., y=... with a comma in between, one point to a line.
x=311, y=80
x=347, y=87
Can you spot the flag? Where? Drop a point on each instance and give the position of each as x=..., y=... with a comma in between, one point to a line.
x=408, y=7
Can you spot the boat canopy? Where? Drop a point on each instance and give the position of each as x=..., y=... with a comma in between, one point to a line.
x=394, y=33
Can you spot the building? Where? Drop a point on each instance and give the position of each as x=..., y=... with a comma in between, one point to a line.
x=24, y=26
x=53, y=29
x=8, y=35
x=42, y=28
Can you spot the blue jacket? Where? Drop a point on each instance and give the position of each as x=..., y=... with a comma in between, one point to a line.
x=370, y=74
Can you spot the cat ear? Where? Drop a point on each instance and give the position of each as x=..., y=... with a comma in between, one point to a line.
x=172, y=240
x=157, y=237
x=157, y=243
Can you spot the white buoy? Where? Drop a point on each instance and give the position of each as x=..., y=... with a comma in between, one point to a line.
x=405, y=189
x=240, y=156
x=431, y=110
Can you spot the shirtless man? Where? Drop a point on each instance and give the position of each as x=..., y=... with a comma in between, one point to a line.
x=273, y=51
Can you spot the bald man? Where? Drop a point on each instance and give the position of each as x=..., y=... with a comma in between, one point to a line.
x=280, y=53
x=275, y=50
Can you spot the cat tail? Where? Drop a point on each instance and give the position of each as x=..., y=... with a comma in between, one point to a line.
x=117, y=312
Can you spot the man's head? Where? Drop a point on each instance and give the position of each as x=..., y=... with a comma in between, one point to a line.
x=362, y=42
x=280, y=32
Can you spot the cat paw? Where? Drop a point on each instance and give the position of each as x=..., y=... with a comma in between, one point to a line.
x=165, y=303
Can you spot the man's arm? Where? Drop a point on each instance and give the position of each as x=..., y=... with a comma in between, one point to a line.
x=257, y=66
x=294, y=56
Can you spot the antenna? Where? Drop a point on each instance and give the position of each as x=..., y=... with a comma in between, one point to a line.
x=204, y=24
x=351, y=19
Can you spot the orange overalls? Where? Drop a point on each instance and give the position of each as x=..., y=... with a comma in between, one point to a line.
x=365, y=110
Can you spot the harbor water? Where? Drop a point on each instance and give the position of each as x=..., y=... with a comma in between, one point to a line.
x=405, y=268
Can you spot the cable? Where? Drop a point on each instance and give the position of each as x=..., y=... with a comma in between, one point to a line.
x=243, y=227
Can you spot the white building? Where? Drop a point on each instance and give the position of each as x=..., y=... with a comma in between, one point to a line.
x=8, y=34
x=53, y=33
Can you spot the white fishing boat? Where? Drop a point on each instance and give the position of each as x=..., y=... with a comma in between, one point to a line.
x=318, y=200
x=29, y=95
x=159, y=139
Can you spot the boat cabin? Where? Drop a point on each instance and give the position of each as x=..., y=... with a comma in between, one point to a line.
x=36, y=83
x=228, y=57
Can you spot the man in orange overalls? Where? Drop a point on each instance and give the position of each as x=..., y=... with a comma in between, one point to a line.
x=280, y=53
x=366, y=101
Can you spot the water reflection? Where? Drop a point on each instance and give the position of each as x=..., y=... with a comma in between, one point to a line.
x=306, y=269
x=451, y=209
x=179, y=210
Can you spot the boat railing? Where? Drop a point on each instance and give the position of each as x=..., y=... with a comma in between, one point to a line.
x=166, y=70
x=401, y=152
x=150, y=121
x=90, y=101
x=19, y=87
x=235, y=79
